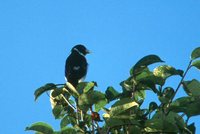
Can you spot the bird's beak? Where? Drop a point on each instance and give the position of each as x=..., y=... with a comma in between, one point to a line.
x=88, y=51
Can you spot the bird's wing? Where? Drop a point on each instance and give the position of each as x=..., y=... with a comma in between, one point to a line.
x=76, y=67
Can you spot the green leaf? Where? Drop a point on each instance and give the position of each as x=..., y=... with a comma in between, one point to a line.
x=180, y=104
x=152, y=106
x=99, y=105
x=192, y=88
x=72, y=89
x=195, y=53
x=56, y=92
x=188, y=105
x=111, y=94
x=86, y=100
x=67, y=120
x=167, y=94
x=128, y=85
x=89, y=86
x=138, y=95
x=68, y=130
x=147, y=84
x=135, y=129
x=41, y=127
x=55, y=132
x=43, y=89
x=162, y=123
x=144, y=62
x=165, y=71
x=147, y=75
x=119, y=120
x=192, y=128
x=122, y=105
x=57, y=111
x=64, y=122
x=81, y=86
x=43, y=133
x=196, y=64
x=143, y=81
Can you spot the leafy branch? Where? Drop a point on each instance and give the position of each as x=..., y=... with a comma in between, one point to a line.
x=84, y=109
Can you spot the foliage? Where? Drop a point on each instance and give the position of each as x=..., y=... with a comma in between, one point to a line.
x=80, y=109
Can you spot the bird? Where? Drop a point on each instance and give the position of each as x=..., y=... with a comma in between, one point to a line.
x=76, y=65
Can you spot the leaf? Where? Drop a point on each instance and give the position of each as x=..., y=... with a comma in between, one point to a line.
x=147, y=84
x=139, y=95
x=167, y=94
x=72, y=88
x=192, y=128
x=180, y=104
x=68, y=130
x=111, y=122
x=128, y=85
x=57, y=110
x=64, y=122
x=122, y=105
x=43, y=133
x=41, y=127
x=119, y=120
x=86, y=100
x=188, y=105
x=144, y=62
x=111, y=94
x=152, y=106
x=41, y=90
x=192, y=88
x=135, y=129
x=147, y=75
x=56, y=92
x=145, y=80
x=89, y=86
x=99, y=105
x=180, y=122
x=67, y=120
x=196, y=64
x=162, y=123
x=56, y=132
x=195, y=53
x=165, y=71
x=81, y=86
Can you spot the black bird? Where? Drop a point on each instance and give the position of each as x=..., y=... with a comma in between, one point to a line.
x=76, y=65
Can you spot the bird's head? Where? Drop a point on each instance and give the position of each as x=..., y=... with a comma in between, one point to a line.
x=81, y=49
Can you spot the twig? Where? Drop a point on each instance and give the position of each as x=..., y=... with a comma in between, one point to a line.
x=81, y=115
x=189, y=66
x=92, y=120
x=98, y=127
x=53, y=89
x=68, y=102
x=77, y=117
x=60, y=84
x=187, y=120
x=179, y=85
x=108, y=130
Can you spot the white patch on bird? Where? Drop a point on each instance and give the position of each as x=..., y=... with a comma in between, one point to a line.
x=82, y=79
x=76, y=67
x=79, y=51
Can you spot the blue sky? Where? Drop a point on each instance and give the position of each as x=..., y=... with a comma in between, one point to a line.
x=36, y=38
